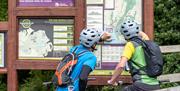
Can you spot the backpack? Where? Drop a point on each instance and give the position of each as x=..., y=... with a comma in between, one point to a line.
x=64, y=69
x=153, y=57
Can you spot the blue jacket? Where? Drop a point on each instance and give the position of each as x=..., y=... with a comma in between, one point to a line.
x=87, y=58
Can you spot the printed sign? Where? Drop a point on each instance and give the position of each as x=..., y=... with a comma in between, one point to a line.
x=1, y=50
x=109, y=15
x=95, y=17
x=45, y=38
x=52, y=3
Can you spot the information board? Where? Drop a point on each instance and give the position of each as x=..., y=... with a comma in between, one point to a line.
x=1, y=49
x=46, y=3
x=107, y=15
x=45, y=38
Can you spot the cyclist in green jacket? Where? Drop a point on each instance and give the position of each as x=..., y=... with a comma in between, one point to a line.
x=133, y=53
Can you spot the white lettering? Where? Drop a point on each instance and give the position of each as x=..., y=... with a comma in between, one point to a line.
x=36, y=0
x=21, y=0
x=47, y=0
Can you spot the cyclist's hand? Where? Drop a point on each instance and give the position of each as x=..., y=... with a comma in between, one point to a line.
x=106, y=36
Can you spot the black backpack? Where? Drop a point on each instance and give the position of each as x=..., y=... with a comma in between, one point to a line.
x=153, y=57
x=64, y=69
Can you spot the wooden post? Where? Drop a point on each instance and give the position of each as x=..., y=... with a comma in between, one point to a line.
x=79, y=18
x=148, y=18
x=11, y=48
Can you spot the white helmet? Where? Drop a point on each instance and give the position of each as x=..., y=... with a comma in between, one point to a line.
x=89, y=37
x=129, y=29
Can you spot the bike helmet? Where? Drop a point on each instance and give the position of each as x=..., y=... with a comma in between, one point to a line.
x=89, y=37
x=129, y=29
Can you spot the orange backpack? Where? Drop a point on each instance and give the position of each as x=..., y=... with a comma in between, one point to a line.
x=64, y=69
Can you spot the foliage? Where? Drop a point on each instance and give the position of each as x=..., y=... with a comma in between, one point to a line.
x=104, y=88
x=171, y=63
x=166, y=22
x=35, y=81
x=3, y=10
x=167, y=15
x=167, y=25
x=167, y=38
x=3, y=82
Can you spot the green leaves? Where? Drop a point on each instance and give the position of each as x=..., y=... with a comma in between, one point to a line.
x=167, y=38
x=167, y=15
x=171, y=63
x=3, y=10
x=166, y=26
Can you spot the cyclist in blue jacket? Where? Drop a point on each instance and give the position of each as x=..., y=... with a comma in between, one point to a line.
x=86, y=63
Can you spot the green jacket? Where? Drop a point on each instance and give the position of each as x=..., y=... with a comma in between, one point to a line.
x=137, y=64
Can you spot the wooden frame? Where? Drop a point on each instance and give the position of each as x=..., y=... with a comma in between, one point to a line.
x=78, y=12
x=3, y=26
x=169, y=78
x=170, y=49
x=3, y=70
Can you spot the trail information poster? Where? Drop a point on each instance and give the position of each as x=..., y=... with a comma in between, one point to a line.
x=45, y=38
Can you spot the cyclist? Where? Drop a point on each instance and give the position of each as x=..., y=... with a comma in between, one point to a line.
x=86, y=63
x=133, y=54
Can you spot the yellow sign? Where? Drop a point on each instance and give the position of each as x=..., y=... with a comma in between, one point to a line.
x=107, y=72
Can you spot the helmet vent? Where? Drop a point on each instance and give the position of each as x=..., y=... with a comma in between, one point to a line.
x=92, y=31
x=89, y=40
x=131, y=25
x=88, y=30
x=128, y=35
x=86, y=43
x=122, y=26
x=93, y=35
x=137, y=28
x=125, y=31
x=128, y=21
x=84, y=33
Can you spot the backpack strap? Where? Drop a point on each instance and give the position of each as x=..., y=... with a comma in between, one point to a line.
x=136, y=42
x=139, y=41
x=78, y=55
x=81, y=53
x=74, y=51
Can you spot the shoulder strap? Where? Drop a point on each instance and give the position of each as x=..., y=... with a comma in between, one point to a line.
x=139, y=41
x=78, y=55
x=135, y=44
x=81, y=53
x=74, y=50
